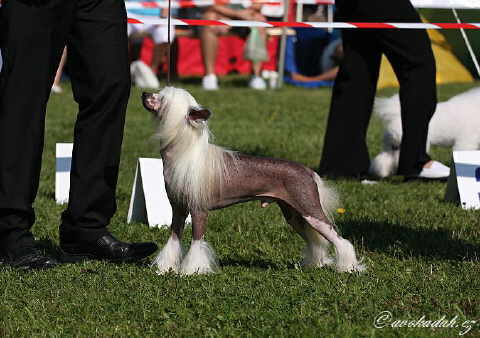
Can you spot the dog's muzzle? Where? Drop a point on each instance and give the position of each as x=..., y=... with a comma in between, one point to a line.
x=146, y=98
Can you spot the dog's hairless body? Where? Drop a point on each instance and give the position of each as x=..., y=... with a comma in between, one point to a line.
x=301, y=195
x=256, y=178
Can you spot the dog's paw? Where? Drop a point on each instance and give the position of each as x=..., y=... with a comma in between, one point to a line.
x=200, y=259
x=169, y=258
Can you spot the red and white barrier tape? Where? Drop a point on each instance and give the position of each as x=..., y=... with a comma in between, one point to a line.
x=188, y=4
x=448, y=4
x=204, y=3
x=137, y=19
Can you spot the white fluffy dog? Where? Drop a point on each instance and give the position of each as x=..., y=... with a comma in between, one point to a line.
x=456, y=123
x=200, y=177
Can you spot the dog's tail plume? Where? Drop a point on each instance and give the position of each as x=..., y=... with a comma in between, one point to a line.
x=385, y=164
x=328, y=197
x=389, y=111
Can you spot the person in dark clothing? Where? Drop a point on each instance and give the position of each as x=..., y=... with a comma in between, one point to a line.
x=345, y=151
x=33, y=34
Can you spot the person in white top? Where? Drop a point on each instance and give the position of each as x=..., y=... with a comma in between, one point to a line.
x=209, y=41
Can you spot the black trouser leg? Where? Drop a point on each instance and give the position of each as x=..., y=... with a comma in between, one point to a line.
x=32, y=39
x=345, y=151
x=411, y=56
x=98, y=60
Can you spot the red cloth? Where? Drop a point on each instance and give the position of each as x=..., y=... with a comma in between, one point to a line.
x=229, y=57
x=146, y=52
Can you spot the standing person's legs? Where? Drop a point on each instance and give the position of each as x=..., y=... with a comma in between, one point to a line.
x=411, y=56
x=160, y=37
x=345, y=151
x=56, y=88
x=98, y=60
x=209, y=36
x=32, y=38
x=209, y=42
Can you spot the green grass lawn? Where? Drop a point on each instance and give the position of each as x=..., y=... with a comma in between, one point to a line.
x=422, y=253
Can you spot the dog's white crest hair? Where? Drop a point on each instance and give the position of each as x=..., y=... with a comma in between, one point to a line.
x=198, y=168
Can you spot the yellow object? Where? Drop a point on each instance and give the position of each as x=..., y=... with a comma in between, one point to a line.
x=449, y=68
x=341, y=210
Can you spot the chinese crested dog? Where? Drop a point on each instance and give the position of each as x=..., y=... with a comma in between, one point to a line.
x=456, y=123
x=201, y=176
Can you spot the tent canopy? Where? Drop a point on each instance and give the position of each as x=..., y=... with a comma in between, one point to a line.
x=449, y=67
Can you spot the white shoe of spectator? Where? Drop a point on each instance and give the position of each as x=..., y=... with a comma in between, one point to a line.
x=257, y=83
x=57, y=89
x=143, y=76
x=436, y=171
x=210, y=82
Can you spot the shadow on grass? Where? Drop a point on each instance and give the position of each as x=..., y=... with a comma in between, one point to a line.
x=49, y=247
x=391, y=239
x=402, y=241
x=253, y=263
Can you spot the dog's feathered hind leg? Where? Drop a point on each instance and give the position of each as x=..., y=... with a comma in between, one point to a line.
x=315, y=254
x=170, y=257
x=346, y=259
x=201, y=258
x=321, y=222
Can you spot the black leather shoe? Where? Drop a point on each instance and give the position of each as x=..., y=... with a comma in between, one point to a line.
x=31, y=258
x=107, y=248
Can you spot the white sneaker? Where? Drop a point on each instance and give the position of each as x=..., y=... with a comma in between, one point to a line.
x=436, y=171
x=257, y=83
x=210, y=82
x=143, y=76
x=57, y=89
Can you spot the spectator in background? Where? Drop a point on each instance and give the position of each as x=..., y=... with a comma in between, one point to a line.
x=345, y=151
x=145, y=76
x=329, y=64
x=316, y=53
x=209, y=41
x=56, y=87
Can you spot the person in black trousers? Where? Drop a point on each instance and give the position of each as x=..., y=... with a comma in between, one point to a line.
x=33, y=34
x=345, y=151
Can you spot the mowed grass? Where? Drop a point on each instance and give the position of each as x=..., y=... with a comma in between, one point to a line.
x=422, y=253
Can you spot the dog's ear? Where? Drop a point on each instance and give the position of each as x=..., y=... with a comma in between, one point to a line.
x=196, y=114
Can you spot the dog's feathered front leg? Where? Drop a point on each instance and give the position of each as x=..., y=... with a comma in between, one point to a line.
x=201, y=257
x=170, y=257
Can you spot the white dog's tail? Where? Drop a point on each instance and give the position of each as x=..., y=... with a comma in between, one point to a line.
x=388, y=110
x=385, y=164
x=328, y=197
